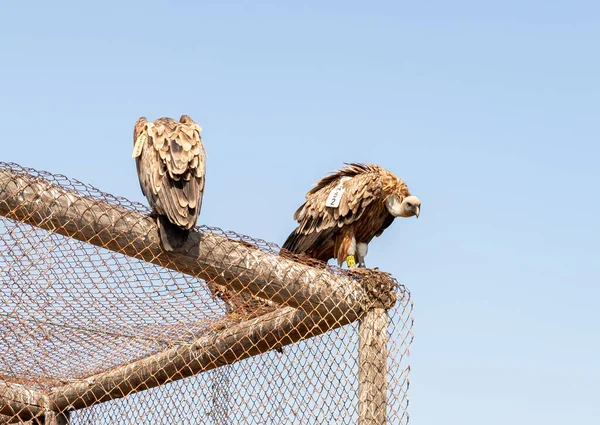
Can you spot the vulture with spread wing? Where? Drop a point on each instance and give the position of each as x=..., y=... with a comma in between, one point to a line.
x=170, y=161
x=346, y=209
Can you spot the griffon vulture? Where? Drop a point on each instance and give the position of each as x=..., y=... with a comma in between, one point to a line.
x=346, y=209
x=170, y=161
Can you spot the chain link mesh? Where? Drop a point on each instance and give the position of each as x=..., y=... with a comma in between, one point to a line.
x=99, y=326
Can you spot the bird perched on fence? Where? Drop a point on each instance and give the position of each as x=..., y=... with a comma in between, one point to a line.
x=346, y=209
x=171, y=165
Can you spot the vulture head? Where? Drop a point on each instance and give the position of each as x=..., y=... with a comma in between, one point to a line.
x=403, y=207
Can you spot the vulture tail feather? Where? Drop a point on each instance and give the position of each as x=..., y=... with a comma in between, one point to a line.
x=292, y=242
x=172, y=237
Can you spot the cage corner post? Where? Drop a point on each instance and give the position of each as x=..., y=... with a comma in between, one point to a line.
x=372, y=367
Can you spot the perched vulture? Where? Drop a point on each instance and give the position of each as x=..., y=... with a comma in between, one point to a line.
x=346, y=209
x=170, y=161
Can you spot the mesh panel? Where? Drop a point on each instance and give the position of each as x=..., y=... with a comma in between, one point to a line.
x=100, y=326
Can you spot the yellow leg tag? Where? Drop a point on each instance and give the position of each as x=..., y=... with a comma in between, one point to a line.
x=350, y=261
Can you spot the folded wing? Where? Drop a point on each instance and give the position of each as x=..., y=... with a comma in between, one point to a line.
x=171, y=168
x=318, y=223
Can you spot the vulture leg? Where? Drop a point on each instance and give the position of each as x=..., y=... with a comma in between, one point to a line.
x=351, y=261
x=361, y=252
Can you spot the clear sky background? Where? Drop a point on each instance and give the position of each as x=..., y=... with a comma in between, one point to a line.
x=488, y=110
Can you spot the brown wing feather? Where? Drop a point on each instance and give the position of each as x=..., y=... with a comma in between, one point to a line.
x=362, y=187
x=142, y=172
x=171, y=168
x=318, y=225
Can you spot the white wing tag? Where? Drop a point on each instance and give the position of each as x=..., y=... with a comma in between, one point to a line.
x=139, y=144
x=335, y=196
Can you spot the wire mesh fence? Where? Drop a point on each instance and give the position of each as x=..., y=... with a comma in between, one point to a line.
x=100, y=326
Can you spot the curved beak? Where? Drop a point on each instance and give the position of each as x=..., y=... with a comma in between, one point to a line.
x=418, y=211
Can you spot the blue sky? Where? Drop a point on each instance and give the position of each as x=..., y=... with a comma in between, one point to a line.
x=488, y=110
